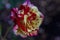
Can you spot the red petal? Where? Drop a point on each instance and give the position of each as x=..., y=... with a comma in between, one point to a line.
x=21, y=7
x=32, y=17
x=22, y=26
x=26, y=10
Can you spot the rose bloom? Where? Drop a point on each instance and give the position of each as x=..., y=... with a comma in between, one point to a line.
x=27, y=19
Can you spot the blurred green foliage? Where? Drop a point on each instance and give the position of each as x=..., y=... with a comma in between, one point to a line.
x=0, y=0
x=1, y=6
x=12, y=2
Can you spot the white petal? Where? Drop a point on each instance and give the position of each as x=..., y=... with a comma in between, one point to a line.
x=15, y=29
x=19, y=12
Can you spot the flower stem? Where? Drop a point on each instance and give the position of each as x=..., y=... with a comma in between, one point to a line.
x=7, y=32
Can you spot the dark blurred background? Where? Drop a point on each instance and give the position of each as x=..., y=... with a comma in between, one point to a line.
x=50, y=28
